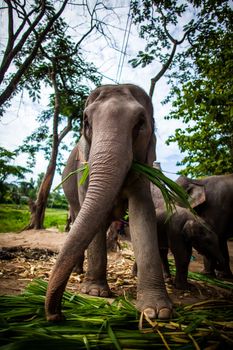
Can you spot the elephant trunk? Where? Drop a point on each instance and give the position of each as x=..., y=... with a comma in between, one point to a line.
x=108, y=170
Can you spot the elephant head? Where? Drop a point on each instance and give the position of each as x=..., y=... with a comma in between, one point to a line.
x=204, y=240
x=118, y=128
x=194, y=188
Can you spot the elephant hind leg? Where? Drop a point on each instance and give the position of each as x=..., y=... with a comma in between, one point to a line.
x=95, y=282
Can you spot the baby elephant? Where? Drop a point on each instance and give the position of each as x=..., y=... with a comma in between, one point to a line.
x=180, y=233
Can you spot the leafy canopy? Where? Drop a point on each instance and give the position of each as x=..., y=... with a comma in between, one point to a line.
x=192, y=40
x=61, y=60
x=7, y=168
x=204, y=102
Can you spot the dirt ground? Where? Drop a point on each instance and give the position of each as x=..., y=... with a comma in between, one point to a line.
x=32, y=254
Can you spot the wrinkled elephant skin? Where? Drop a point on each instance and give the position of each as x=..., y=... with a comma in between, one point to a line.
x=117, y=128
x=212, y=199
x=182, y=232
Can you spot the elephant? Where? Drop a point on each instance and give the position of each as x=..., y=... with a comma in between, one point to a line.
x=118, y=128
x=212, y=199
x=181, y=232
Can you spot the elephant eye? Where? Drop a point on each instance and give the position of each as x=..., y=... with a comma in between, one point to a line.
x=141, y=123
x=140, y=126
x=87, y=127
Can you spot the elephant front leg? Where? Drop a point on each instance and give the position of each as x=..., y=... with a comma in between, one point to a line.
x=225, y=271
x=209, y=267
x=95, y=282
x=165, y=264
x=182, y=253
x=152, y=297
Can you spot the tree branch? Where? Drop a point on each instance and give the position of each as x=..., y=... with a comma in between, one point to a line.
x=169, y=61
x=12, y=53
x=65, y=131
x=163, y=70
x=16, y=78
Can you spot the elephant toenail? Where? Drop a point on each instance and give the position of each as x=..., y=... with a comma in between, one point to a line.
x=94, y=292
x=150, y=313
x=104, y=293
x=84, y=290
x=164, y=313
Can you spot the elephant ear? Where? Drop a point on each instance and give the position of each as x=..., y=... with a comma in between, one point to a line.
x=151, y=153
x=197, y=194
x=187, y=231
x=83, y=149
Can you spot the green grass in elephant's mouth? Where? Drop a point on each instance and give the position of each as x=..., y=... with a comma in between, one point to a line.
x=171, y=191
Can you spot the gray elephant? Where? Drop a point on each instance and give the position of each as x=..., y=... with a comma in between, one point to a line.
x=118, y=128
x=212, y=199
x=181, y=232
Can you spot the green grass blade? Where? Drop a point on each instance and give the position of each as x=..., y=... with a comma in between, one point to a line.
x=171, y=191
x=85, y=170
x=113, y=337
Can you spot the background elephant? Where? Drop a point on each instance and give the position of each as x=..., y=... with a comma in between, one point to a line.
x=118, y=128
x=181, y=232
x=212, y=199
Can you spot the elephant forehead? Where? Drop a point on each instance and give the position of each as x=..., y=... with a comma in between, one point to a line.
x=116, y=107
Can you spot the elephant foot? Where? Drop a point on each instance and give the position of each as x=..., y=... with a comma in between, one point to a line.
x=208, y=273
x=59, y=317
x=134, y=270
x=95, y=288
x=224, y=275
x=185, y=286
x=167, y=278
x=156, y=305
x=78, y=269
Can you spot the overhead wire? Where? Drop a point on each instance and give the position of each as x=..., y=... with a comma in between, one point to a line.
x=124, y=47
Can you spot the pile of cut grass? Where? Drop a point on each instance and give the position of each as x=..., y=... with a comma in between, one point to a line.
x=94, y=323
x=196, y=276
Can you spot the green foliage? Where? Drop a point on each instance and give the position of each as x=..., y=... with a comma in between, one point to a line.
x=28, y=24
x=171, y=191
x=59, y=60
x=57, y=200
x=14, y=218
x=7, y=169
x=200, y=76
x=205, y=105
x=94, y=323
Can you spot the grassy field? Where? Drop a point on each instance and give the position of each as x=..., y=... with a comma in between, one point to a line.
x=14, y=218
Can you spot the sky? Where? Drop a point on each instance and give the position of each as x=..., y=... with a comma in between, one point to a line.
x=19, y=120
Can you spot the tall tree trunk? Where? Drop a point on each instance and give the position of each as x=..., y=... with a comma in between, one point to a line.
x=38, y=207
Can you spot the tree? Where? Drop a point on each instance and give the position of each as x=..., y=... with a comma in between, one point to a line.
x=29, y=25
x=9, y=170
x=59, y=64
x=24, y=21
x=156, y=22
x=199, y=73
x=205, y=105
